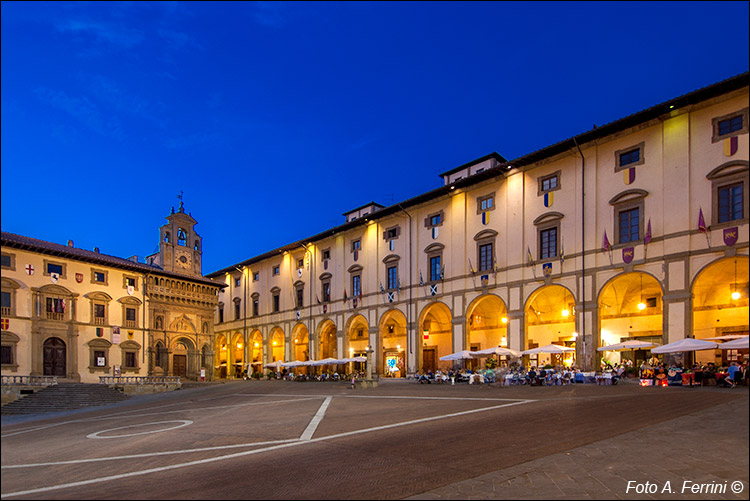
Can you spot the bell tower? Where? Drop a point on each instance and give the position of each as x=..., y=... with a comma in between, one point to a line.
x=180, y=247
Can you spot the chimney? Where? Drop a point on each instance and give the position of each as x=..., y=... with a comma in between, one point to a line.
x=133, y=258
x=70, y=243
x=96, y=249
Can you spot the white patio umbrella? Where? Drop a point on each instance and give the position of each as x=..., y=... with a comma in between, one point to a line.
x=354, y=359
x=628, y=345
x=550, y=348
x=687, y=344
x=460, y=355
x=291, y=364
x=326, y=361
x=728, y=337
x=737, y=344
x=275, y=365
x=497, y=350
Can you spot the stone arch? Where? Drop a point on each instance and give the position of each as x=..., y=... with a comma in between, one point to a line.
x=391, y=360
x=327, y=340
x=276, y=343
x=300, y=342
x=715, y=308
x=550, y=319
x=436, y=332
x=486, y=325
x=630, y=307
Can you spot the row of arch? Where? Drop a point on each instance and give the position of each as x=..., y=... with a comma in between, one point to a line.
x=184, y=286
x=630, y=306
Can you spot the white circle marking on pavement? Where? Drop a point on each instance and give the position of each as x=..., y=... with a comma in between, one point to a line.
x=183, y=422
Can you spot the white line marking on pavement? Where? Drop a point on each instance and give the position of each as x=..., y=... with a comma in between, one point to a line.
x=317, y=418
x=183, y=423
x=255, y=451
x=150, y=454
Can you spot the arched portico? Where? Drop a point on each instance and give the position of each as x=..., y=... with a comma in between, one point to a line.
x=276, y=340
x=486, y=324
x=630, y=308
x=220, y=365
x=720, y=306
x=357, y=340
x=550, y=319
x=436, y=329
x=391, y=361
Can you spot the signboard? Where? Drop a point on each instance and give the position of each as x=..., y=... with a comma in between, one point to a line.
x=115, y=335
x=100, y=362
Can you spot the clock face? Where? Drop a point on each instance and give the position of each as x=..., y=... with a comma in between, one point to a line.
x=183, y=261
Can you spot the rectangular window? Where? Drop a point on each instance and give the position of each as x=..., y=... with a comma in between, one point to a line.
x=237, y=282
x=256, y=276
x=6, y=303
x=276, y=304
x=392, y=277
x=221, y=314
x=731, y=203
x=130, y=314
x=54, y=268
x=326, y=254
x=630, y=157
x=356, y=245
x=730, y=125
x=356, y=285
x=629, y=225
x=130, y=359
x=237, y=310
x=549, y=183
x=486, y=204
x=435, y=220
x=275, y=270
x=300, y=297
x=485, y=257
x=99, y=310
x=100, y=359
x=99, y=277
x=129, y=282
x=6, y=260
x=326, y=292
x=300, y=263
x=548, y=243
x=435, y=271
x=255, y=307
x=7, y=355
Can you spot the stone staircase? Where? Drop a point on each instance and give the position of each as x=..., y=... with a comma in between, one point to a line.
x=63, y=397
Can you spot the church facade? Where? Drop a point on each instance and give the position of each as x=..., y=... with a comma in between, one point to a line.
x=80, y=314
x=635, y=230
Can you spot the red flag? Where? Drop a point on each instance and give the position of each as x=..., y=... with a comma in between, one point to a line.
x=647, y=236
x=701, y=221
x=606, y=246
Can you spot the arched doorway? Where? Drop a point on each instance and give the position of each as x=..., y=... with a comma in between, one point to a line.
x=237, y=350
x=256, y=352
x=277, y=344
x=720, y=307
x=300, y=346
x=436, y=329
x=221, y=356
x=328, y=344
x=180, y=351
x=486, y=326
x=630, y=308
x=392, y=332
x=54, y=358
x=550, y=319
x=358, y=339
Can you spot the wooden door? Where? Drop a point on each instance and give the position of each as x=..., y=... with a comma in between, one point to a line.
x=180, y=365
x=54, y=357
x=428, y=360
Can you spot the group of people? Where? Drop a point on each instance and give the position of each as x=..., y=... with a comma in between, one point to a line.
x=729, y=375
x=452, y=376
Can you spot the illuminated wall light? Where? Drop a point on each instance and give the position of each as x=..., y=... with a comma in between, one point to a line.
x=565, y=312
x=736, y=295
x=641, y=306
x=398, y=347
x=504, y=320
x=239, y=345
x=274, y=343
x=256, y=345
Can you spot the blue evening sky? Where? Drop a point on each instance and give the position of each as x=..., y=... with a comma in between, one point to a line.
x=275, y=118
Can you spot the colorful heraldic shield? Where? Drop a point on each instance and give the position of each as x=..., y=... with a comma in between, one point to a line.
x=627, y=254
x=629, y=175
x=549, y=199
x=730, y=146
x=730, y=236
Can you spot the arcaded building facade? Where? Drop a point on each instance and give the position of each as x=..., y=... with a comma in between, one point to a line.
x=79, y=314
x=637, y=229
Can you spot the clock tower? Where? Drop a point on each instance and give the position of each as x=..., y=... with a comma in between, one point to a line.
x=179, y=245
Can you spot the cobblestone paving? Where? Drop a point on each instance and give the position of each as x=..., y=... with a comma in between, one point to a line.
x=708, y=447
